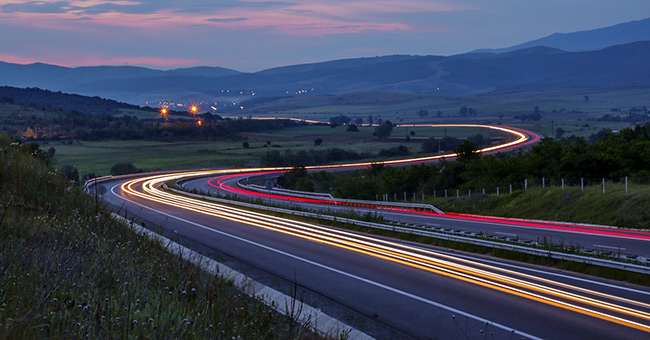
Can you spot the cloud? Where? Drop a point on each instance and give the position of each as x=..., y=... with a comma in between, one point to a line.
x=226, y=19
x=306, y=17
x=35, y=7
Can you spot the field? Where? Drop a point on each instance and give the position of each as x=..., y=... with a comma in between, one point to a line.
x=98, y=157
x=567, y=109
x=573, y=112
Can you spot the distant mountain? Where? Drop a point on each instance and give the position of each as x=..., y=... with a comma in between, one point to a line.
x=470, y=73
x=77, y=80
x=591, y=40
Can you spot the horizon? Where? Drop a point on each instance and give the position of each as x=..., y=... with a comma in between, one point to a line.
x=254, y=35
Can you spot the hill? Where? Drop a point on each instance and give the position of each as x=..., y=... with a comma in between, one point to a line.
x=464, y=74
x=36, y=97
x=589, y=40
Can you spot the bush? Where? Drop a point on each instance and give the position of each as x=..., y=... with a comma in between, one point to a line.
x=124, y=169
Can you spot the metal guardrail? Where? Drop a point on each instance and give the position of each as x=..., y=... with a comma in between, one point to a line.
x=456, y=238
x=287, y=191
x=350, y=202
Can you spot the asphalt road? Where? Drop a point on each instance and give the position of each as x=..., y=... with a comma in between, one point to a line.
x=615, y=241
x=424, y=293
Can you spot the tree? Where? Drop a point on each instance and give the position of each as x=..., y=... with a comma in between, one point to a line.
x=586, y=98
x=289, y=179
x=318, y=141
x=384, y=130
x=536, y=110
x=358, y=121
x=423, y=113
x=352, y=128
x=123, y=169
x=467, y=151
x=559, y=132
x=462, y=111
x=71, y=173
x=245, y=144
x=340, y=120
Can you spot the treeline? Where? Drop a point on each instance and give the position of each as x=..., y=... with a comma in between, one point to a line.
x=326, y=156
x=62, y=124
x=614, y=156
x=311, y=157
x=131, y=128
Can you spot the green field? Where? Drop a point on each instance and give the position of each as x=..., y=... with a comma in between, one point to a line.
x=573, y=113
x=98, y=157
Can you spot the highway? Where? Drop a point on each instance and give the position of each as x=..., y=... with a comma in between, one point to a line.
x=410, y=291
x=623, y=241
x=420, y=292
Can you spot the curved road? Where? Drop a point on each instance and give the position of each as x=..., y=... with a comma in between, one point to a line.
x=602, y=239
x=423, y=292
x=420, y=292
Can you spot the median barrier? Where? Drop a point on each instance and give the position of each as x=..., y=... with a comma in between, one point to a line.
x=437, y=235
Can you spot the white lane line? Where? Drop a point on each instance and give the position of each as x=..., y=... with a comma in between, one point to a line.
x=532, y=270
x=609, y=247
x=376, y=284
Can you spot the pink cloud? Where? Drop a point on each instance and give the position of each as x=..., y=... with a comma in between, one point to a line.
x=308, y=17
x=65, y=58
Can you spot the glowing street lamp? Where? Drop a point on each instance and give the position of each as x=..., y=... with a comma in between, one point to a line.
x=163, y=113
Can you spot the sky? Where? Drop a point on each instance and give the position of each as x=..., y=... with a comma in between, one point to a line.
x=252, y=35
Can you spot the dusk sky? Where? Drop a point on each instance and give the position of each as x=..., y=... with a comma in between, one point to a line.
x=251, y=35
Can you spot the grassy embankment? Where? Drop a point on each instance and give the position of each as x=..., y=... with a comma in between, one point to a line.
x=615, y=207
x=67, y=270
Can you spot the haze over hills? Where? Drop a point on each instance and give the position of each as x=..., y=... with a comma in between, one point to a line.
x=466, y=74
x=589, y=40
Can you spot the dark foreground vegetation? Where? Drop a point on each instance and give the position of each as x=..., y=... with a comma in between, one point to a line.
x=67, y=270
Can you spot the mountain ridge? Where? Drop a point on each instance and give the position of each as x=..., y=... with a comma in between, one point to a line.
x=587, y=40
x=469, y=73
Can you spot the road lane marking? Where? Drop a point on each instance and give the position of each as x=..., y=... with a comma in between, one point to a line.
x=610, y=247
x=368, y=281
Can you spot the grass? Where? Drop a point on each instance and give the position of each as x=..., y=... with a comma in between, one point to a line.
x=98, y=157
x=67, y=270
x=405, y=106
x=615, y=207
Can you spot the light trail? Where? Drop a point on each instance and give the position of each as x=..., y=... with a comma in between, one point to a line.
x=607, y=307
x=521, y=137
x=593, y=303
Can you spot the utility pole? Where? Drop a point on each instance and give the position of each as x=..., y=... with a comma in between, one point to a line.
x=552, y=129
